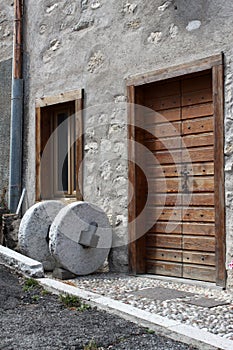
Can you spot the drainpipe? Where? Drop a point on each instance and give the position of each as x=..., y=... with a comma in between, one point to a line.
x=15, y=177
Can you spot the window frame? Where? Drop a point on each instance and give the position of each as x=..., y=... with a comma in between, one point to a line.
x=76, y=97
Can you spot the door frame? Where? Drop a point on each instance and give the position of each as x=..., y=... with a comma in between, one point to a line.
x=136, y=247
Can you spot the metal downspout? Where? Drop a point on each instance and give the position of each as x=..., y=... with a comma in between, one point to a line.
x=16, y=146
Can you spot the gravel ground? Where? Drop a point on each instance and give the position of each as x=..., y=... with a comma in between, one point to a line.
x=218, y=320
x=31, y=318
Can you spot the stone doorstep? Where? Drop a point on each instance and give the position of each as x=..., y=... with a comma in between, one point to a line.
x=169, y=328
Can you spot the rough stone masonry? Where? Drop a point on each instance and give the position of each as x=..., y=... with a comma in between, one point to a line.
x=96, y=45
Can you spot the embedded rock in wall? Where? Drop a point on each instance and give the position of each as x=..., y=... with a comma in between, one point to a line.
x=154, y=37
x=164, y=6
x=83, y=25
x=34, y=232
x=95, y=5
x=134, y=24
x=193, y=25
x=173, y=30
x=96, y=60
x=130, y=8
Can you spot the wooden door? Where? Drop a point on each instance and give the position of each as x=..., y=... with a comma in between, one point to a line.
x=181, y=179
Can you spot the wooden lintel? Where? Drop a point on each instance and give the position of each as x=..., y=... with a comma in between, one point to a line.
x=61, y=98
x=175, y=71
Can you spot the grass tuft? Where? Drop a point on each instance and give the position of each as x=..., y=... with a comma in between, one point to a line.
x=91, y=345
x=35, y=297
x=150, y=331
x=72, y=301
x=30, y=284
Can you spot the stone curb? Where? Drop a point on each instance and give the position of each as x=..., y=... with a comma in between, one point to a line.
x=27, y=266
x=164, y=326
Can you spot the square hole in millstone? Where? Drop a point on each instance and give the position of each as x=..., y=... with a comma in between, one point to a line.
x=162, y=294
x=206, y=302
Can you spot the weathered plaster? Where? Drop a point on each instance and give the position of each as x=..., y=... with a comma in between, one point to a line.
x=6, y=47
x=6, y=29
x=5, y=118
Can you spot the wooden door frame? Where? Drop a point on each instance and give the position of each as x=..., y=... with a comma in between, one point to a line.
x=75, y=96
x=215, y=65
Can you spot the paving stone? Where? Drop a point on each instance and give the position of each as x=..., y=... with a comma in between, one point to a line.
x=206, y=302
x=80, y=238
x=161, y=294
x=34, y=229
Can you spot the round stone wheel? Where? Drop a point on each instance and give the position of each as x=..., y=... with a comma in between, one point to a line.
x=80, y=238
x=34, y=232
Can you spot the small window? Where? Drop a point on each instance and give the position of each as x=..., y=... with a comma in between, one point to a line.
x=63, y=120
x=59, y=150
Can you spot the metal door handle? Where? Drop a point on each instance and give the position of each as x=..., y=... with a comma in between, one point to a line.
x=185, y=176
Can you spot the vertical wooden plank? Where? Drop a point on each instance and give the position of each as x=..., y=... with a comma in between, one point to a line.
x=46, y=155
x=79, y=146
x=72, y=169
x=38, y=152
x=69, y=154
x=54, y=151
x=140, y=188
x=132, y=248
x=218, y=90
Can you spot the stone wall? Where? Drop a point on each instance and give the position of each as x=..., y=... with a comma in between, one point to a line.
x=6, y=29
x=96, y=45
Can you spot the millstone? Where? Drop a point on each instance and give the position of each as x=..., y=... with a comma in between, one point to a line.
x=34, y=232
x=80, y=238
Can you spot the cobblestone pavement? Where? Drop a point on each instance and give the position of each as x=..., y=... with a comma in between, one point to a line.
x=216, y=319
x=31, y=318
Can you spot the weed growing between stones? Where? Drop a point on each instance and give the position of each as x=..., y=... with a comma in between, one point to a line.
x=33, y=291
x=35, y=297
x=45, y=292
x=91, y=345
x=30, y=284
x=72, y=301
